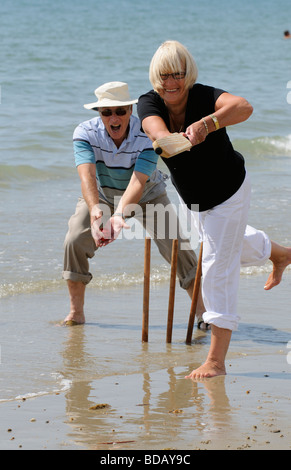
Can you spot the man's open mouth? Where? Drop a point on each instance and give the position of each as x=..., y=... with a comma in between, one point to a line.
x=115, y=128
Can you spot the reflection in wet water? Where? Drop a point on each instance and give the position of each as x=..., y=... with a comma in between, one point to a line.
x=151, y=406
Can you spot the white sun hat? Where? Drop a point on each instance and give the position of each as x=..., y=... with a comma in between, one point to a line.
x=110, y=95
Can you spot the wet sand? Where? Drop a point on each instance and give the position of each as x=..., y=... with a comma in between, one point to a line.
x=51, y=376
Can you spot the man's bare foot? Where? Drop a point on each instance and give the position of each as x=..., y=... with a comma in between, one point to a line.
x=74, y=319
x=77, y=297
x=207, y=370
x=281, y=258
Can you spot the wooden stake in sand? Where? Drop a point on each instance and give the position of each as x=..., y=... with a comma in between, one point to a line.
x=172, y=290
x=195, y=297
x=146, y=290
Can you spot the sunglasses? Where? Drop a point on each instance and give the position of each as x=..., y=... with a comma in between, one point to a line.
x=175, y=76
x=108, y=112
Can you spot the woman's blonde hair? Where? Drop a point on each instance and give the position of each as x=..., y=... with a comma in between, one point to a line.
x=172, y=57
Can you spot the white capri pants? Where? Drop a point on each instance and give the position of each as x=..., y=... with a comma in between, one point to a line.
x=228, y=244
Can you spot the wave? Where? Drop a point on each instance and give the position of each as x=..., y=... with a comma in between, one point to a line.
x=63, y=386
x=257, y=147
x=28, y=173
x=107, y=281
x=264, y=146
x=159, y=276
x=28, y=287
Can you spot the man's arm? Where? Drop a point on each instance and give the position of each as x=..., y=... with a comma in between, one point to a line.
x=87, y=174
x=131, y=196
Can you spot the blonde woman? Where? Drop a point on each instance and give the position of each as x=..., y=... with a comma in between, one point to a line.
x=211, y=178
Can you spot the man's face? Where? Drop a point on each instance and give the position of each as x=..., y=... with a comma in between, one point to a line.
x=116, y=122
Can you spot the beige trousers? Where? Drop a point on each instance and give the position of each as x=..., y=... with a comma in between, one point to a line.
x=79, y=245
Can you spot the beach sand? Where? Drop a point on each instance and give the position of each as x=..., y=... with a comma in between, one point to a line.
x=52, y=376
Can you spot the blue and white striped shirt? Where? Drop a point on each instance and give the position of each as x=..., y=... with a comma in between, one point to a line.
x=114, y=166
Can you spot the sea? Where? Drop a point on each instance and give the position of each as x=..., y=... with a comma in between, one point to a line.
x=54, y=54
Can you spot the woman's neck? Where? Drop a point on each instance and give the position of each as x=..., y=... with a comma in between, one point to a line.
x=177, y=112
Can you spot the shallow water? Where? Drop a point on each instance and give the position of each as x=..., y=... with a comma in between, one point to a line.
x=150, y=404
x=47, y=74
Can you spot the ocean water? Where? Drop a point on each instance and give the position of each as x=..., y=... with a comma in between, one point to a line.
x=53, y=56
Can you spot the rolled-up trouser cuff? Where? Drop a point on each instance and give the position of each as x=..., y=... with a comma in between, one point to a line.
x=185, y=283
x=256, y=249
x=226, y=321
x=76, y=277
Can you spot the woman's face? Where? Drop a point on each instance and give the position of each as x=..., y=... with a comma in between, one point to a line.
x=173, y=90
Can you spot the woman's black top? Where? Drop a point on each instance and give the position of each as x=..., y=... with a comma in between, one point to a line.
x=211, y=172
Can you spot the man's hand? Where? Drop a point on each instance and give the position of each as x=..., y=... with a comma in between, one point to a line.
x=112, y=229
x=96, y=220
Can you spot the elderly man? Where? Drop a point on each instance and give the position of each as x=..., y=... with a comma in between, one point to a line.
x=110, y=146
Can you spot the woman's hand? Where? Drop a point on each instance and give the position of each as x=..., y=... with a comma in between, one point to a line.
x=196, y=132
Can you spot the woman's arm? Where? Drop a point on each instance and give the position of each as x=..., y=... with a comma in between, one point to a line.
x=155, y=127
x=229, y=110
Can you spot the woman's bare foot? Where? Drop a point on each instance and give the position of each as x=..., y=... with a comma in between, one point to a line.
x=207, y=370
x=281, y=258
x=215, y=362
